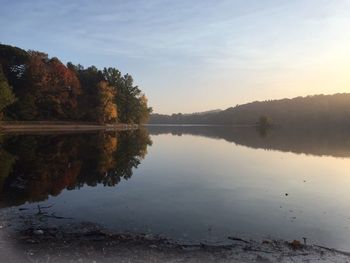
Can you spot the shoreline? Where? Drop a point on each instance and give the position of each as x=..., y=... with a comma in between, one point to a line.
x=39, y=237
x=43, y=126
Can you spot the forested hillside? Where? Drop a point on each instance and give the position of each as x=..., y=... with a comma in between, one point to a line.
x=34, y=87
x=310, y=110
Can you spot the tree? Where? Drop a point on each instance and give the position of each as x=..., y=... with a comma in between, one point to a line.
x=264, y=125
x=51, y=91
x=130, y=97
x=6, y=95
x=143, y=111
x=46, y=89
x=89, y=101
x=13, y=61
x=132, y=104
x=26, y=108
x=64, y=90
x=107, y=109
x=265, y=122
x=32, y=95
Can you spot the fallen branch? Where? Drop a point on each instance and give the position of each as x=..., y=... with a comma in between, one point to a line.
x=57, y=217
x=238, y=239
x=334, y=250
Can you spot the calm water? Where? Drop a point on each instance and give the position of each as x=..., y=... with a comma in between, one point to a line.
x=189, y=183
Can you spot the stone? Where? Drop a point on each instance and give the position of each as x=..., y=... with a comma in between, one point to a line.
x=38, y=232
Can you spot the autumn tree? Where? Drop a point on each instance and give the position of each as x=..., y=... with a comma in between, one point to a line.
x=131, y=103
x=46, y=89
x=50, y=92
x=64, y=89
x=131, y=149
x=107, y=109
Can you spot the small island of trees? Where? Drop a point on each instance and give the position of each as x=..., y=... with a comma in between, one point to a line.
x=35, y=87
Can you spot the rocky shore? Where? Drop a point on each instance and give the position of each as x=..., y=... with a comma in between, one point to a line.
x=29, y=238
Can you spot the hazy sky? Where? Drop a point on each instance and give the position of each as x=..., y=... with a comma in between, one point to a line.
x=195, y=55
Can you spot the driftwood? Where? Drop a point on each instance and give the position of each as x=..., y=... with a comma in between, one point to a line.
x=238, y=239
x=45, y=214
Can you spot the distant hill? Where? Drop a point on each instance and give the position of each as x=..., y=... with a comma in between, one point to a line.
x=310, y=110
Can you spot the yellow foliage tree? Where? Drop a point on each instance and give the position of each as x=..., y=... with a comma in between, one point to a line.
x=107, y=108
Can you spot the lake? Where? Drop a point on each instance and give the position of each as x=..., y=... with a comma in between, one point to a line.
x=188, y=183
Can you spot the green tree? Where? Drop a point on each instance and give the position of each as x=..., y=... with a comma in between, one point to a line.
x=26, y=108
x=89, y=102
x=6, y=95
x=265, y=122
x=264, y=125
x=13, y=61
x=143, y=111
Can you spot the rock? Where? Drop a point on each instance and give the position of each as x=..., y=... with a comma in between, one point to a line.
x=259, y=258
x=31, y=241
x=190, y=248
x=295, y=244
x=149, y=237
x=58, y=235
x=38, y=232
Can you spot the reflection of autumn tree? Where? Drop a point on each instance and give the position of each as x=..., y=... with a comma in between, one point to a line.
x=96, y=154
x=115, y=156
x=131, y=150
x=107, y=146
x=6, y=162
x=38, y=166
x=44, y=167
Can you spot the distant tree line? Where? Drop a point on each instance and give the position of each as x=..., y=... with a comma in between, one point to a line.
x=36, y=87
x=305, y=111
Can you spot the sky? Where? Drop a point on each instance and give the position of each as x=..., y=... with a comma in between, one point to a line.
x=195, y=55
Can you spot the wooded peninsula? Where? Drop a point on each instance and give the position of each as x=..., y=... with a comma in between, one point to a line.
x=35, y=87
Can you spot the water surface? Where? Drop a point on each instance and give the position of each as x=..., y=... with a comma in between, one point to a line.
x=189, y=183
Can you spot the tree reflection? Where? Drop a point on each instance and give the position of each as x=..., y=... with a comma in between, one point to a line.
x=316, y=140
x=32, y=167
